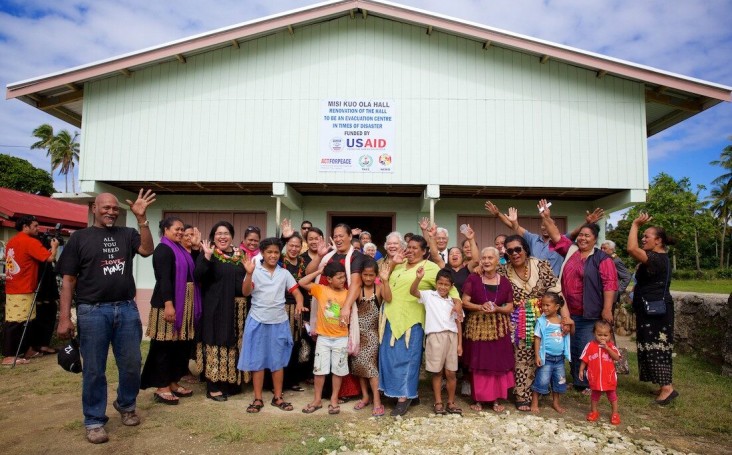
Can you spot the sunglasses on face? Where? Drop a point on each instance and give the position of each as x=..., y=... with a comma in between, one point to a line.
x=516, y=250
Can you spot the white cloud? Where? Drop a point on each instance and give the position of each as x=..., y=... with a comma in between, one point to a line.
x=690, y=38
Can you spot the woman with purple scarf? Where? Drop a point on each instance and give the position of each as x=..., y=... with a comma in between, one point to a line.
x=174, y=314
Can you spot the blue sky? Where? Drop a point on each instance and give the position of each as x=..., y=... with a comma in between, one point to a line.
x=692, y=38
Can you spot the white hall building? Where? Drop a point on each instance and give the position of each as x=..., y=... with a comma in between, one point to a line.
x=366, y=112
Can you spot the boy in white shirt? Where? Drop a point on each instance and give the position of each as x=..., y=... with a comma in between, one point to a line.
x=444, y=336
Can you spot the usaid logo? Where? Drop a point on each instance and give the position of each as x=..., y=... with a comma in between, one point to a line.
x=336, y=144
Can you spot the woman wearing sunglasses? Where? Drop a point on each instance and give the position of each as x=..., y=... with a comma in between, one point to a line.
x=530, y=279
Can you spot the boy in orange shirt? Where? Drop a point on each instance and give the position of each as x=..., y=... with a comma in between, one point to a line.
x=331, y=353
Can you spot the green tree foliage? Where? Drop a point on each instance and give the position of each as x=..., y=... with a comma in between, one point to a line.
x=720, y=198
x=677, y=208
x=62, y=148
x=19, y=174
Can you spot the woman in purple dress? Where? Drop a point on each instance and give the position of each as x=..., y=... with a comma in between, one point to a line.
x=488, y=352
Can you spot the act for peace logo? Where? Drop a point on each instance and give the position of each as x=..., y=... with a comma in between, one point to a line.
x=365, y=161
x=385, y=159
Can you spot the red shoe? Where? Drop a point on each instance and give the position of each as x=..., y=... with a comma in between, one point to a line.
x=593, y=416
x=614, y=419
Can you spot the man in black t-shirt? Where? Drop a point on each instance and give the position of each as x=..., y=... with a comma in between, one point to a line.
x=97, y=265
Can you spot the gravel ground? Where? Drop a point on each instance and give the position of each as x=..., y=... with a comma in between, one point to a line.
x=488, y=432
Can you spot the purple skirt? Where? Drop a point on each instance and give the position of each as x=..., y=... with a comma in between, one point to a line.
x=489, y=356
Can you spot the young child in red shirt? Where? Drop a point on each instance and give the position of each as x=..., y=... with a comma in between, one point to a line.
x=598, y=362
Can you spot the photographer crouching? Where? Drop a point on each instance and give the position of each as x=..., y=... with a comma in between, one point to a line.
x=24, y=256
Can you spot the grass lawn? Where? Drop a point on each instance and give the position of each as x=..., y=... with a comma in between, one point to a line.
x=703, y=409
x=712, y=287
x=700, y=420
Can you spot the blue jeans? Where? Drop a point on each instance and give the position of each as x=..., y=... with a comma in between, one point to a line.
x=551, y=372
x=117, y=323
x=583, y=334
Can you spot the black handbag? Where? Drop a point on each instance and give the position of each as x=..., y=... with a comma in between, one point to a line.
x=658, y=307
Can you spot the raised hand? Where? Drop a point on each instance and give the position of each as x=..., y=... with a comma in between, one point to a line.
x=642, y=219
x=286, y=228
x=196, y=238
x=425, y=223
x=322, y=248
x=595, y=216
x=249, y=265
x=420, y=273
x=385, y=271
x=399, y=256
x=356, y=232
x=492, y=208
x=139, y=207
x=469, y=233
x=543, y=207
x=208, y=248
x=512, y=215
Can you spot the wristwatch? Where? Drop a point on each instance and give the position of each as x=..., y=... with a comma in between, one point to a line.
x=145, y=224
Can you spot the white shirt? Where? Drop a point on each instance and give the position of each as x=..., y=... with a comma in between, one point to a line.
x=439, y=317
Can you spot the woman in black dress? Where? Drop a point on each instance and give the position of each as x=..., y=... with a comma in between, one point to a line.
x=220, y=270
x=655, y=333
x=175, y=308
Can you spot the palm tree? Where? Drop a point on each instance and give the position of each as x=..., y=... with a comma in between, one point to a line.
x=64, y=154
x=62, y=148
x=725, y=162
x=45, y=136
x=720, y=199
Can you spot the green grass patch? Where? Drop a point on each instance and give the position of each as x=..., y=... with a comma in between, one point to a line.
x=703, y=409
x=722, y=286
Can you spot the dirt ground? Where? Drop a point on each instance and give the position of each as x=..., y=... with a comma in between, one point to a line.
x=40, y=412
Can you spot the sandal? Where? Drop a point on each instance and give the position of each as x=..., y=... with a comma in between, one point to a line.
x=297, y=388
x=476, y=406
x=254, y=407
x=18, y=361
x=182, y=392
x=333, y=410
x=165, y=398
x=615, y=419
x=498, y=407
x=378, y=411
x=524, y=406
x=453, y=409
x=310, y=408
x=439, y=409
x=360, y=405
x=342, y=400
x=279, y=402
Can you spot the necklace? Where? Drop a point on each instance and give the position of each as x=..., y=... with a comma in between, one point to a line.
x=523, y=279
x=235, y=257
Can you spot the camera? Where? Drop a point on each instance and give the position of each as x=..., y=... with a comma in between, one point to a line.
x=55, y=233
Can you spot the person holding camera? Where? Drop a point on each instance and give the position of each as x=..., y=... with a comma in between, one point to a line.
x=24, y=256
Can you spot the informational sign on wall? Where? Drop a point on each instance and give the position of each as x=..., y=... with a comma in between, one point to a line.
x=357, y=136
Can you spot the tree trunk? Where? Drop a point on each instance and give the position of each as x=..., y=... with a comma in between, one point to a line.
x=724, y=234
x=73, y=182
x=66, y=182
x=696, y=251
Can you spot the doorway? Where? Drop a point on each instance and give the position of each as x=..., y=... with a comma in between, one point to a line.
x=378, y=224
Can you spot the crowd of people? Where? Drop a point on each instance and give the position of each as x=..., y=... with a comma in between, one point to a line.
x=336, y=313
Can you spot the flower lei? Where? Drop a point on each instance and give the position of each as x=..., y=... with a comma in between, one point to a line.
x=235, y=258
x=300, y=266
x=523, y=319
